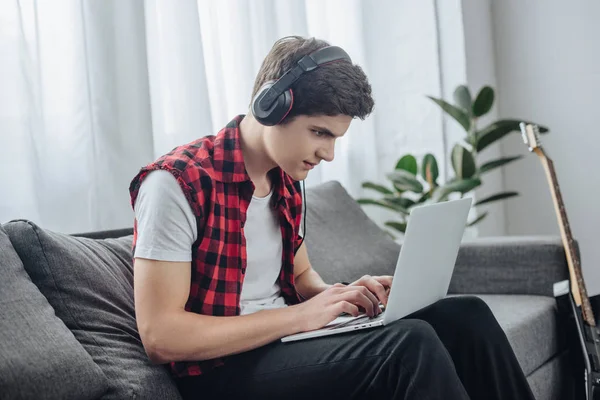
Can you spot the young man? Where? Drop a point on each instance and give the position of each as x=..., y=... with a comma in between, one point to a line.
x=222, y=273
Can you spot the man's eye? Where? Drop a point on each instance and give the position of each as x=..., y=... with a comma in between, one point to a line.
x=318, y=133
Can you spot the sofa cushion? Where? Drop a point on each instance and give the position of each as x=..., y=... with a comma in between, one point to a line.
x=553, y=380
x=89, y=282
x=39, y=357
x=531, y=325
x=343, y=243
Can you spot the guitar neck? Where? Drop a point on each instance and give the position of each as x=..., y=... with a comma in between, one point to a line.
x=577, y=284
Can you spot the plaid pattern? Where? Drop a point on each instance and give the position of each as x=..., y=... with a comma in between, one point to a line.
x=213, y=177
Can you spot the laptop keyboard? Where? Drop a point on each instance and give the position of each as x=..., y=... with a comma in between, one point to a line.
x=361, y=320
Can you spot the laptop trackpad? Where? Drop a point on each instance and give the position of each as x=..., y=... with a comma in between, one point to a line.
x=343, y=319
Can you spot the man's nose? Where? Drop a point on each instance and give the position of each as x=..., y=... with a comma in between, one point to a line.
x=327, y=153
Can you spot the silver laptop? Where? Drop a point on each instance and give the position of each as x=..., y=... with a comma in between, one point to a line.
x=423, y=270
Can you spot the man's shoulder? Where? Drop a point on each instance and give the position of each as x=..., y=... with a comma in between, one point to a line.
x=199, y=151
x=195, y=159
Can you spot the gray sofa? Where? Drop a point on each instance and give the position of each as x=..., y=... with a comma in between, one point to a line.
x=67, y=322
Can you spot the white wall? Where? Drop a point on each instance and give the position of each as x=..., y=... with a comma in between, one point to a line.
x=548, y=69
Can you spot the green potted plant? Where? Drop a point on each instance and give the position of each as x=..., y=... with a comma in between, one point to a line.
x=415, y=182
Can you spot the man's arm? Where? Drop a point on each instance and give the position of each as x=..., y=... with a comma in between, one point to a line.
x=169, y=333
x=307, y=280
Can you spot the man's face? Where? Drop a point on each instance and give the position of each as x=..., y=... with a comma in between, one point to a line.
x=304, y=141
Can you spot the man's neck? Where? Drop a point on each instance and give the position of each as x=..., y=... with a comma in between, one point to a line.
x=256, y=159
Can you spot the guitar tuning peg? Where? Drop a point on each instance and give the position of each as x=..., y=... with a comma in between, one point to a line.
x=524, y=133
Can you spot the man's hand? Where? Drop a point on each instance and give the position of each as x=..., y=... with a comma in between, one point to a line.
x=379, y=286
x=320, y=310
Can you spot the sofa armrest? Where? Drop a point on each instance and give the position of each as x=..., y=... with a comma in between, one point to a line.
x=510, y=265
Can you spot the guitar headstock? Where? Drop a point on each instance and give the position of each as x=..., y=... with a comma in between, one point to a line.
x=531, y=136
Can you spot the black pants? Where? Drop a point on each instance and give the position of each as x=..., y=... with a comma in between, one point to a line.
x=453, y=349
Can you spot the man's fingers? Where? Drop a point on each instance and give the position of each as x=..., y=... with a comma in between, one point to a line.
x=378, y=289
x=379, y=285
x=348, y=308
x=385, y=280
x=358, y=296
x=372, y=297
x=375, y=286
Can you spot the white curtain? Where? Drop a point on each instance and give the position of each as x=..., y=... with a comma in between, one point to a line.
x=92, y=90
x=75, y=121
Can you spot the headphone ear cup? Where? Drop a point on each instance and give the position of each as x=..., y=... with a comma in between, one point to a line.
x=278, y=110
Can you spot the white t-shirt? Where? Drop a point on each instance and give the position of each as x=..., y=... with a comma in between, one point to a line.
x=166, y=228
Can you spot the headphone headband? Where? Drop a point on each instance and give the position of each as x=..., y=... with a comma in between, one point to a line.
x=306, y=64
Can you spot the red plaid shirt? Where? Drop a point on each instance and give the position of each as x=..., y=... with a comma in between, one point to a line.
x=213, y=177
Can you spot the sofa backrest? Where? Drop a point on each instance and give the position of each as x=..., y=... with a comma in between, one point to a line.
x=343, y=243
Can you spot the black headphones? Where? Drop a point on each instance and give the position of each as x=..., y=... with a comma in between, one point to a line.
x=274, y=100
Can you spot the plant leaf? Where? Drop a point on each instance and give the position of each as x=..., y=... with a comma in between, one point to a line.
x=408, y=163
x=403, y=202
x=484, y=101
x=463, y=162
x=380, y=203
x=462, y=186
x=399, y=226
x=462, y=98
x=496, y=197
x=379, y=188
x=399, y=189
x=461, y=116
x=498, y=130
x=405, y=180
x=426, y=196
x=478, y=219
x=430, y=171
x=490, y=165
